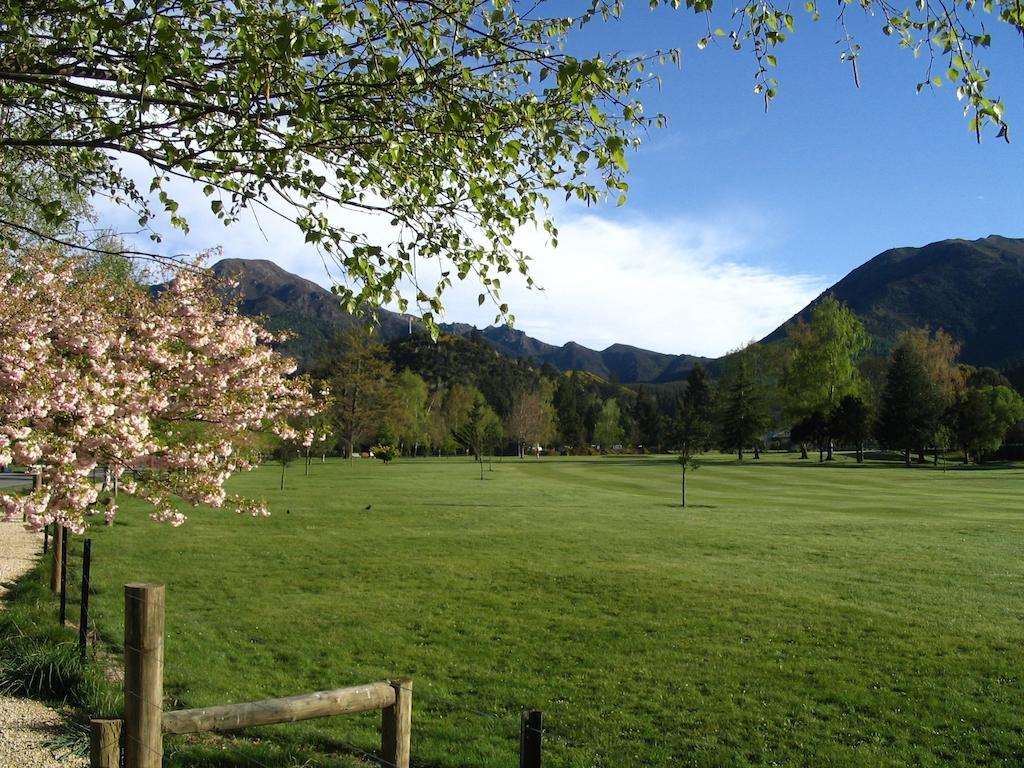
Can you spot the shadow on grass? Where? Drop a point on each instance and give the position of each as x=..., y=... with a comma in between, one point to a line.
x=874, y=460
x=251, y=748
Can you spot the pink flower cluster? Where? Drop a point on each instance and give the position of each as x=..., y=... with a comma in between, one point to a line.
x=98, y=373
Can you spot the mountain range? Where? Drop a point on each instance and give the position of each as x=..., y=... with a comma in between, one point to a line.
x=970, y=289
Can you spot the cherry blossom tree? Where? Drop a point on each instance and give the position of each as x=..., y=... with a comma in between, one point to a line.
x=161, y=389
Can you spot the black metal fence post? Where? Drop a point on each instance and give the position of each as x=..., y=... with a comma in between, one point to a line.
x=531, y=728
x=64, y=577
x=83, y=617
x=46, y=538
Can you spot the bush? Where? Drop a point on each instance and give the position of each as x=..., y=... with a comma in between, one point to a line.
x=386, y=453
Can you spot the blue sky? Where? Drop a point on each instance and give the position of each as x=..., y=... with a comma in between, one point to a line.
x=736, y=217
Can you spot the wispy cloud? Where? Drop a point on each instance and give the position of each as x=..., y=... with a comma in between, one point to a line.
x=678, y=286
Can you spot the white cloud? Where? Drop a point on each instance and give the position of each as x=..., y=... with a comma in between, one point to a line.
x=676, y=286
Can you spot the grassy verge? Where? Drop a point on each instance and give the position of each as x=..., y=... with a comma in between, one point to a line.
x=40, y=659
x=795, y=614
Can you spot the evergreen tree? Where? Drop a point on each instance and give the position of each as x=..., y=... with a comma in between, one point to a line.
x=694, y=423
x=851, y=423
x=699, y=397
x=567, y=412
x=742, y=414
x=910, y=407
x=648, y=420
x=360, y=379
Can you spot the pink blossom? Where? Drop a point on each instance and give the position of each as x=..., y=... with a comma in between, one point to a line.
x=93, y=374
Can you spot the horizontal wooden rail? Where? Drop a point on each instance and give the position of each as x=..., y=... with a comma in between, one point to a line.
x=304, y=706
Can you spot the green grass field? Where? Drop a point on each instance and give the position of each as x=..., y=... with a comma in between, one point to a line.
x=794, y=614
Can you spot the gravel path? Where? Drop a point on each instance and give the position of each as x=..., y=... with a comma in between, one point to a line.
x=25, y=725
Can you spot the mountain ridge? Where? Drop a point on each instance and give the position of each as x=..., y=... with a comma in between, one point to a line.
x=969, y=288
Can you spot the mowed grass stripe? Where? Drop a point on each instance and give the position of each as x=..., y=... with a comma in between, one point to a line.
x=796, y=614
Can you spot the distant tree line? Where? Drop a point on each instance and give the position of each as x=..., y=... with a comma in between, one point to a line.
x=817, y=391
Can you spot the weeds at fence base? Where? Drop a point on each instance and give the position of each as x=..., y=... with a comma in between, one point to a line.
x=39, y=659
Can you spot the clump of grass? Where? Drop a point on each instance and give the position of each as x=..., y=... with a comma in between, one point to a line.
x=40, y=670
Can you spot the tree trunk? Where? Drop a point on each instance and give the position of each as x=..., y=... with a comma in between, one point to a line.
x=283, y=465
x=860, y=451
x=739, y=453
x=906, y=456
x=803, y=450
x=683, y=487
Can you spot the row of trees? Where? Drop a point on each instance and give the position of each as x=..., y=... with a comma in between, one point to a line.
x=372, y=403
x=817, y=390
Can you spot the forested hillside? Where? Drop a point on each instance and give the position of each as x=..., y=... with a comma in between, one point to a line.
x=970, y=289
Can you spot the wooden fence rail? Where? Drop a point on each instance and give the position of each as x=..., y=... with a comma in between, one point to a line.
x=145, y=722
x=304, y=706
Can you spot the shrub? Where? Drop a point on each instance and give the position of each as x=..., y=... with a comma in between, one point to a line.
x=386, y=453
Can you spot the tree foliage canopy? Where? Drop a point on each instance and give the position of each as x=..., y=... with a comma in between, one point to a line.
x=822, y=369
x=454, y=120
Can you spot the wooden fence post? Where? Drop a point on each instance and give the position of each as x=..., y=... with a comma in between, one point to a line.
x=396, y=726
x=143, y=675
x=58, y=537
x=104, y=743
x=531, y=729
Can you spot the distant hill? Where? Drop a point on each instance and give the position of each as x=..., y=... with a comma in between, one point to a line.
x=971, y=289
x=293, y=304
x=619, y=362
